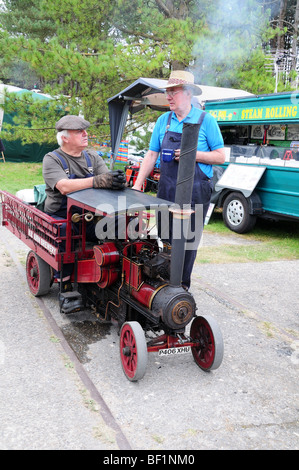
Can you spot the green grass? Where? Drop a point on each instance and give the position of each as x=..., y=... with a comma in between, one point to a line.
x=271, y=241
x=16, y=176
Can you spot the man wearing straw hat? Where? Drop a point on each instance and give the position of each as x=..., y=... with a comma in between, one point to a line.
x=167, y=135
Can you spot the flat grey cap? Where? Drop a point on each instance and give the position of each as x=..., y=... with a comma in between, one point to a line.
x=71, y=123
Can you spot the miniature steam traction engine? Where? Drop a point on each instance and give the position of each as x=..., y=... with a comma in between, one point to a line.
x=133, y=279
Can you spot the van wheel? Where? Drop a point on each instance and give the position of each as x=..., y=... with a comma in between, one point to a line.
x=236, y=214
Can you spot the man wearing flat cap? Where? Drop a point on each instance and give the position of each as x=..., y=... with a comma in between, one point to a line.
x=71, y=168
x=166, y=139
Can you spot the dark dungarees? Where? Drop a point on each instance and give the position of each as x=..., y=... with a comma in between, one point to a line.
x=202, y=189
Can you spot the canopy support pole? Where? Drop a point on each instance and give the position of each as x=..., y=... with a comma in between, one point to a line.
x=121, y=127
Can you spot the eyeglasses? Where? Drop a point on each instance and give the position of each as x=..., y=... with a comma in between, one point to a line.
x=171, y=94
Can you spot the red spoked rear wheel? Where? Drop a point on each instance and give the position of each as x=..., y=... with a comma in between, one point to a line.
x=208, y=352
x=38, y=274
x=133, y=350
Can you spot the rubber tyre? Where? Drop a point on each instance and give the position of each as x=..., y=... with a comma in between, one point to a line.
x=208, y=355
x=38, y=274
x=133, y=351
x=236, y=214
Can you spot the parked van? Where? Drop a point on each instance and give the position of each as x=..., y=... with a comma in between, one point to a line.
x=260, y=177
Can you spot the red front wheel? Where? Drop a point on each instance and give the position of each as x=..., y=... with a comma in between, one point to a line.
x=208, y=352
x=133, y=351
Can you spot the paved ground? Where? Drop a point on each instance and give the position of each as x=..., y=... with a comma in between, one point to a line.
x=43, y=404
x=250, y=402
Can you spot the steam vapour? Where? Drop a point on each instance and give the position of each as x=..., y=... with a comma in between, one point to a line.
x=234, y=30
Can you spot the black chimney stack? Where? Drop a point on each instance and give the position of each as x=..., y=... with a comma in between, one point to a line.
x=183, y=197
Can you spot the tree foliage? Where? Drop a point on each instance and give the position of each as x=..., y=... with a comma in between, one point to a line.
x=84, y=51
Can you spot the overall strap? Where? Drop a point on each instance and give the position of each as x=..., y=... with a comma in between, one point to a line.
x=63, y=162
x=201, y=118
x=65, y=165
x=88, y=162
x=168, y=122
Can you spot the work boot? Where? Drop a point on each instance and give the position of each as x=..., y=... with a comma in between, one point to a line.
x=69, y=301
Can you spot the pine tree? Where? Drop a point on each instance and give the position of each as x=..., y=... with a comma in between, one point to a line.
x=85, y=51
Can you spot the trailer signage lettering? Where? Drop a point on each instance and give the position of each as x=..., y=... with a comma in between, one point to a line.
x=51, y=249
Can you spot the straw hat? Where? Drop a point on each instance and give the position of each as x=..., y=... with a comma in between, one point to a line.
x=180, y=78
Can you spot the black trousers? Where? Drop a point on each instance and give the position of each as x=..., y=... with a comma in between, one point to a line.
x=192, y=234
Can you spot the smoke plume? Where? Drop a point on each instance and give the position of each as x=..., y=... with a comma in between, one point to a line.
x=234, y=30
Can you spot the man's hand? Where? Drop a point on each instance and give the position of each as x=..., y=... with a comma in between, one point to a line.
x=113, y=180
x=118, y=179
x=177, y=154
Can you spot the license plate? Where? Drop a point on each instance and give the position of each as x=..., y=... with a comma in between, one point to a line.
x=175, y=351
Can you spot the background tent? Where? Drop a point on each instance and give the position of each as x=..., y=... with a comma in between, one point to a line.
x=150, y=92
x=15, y=151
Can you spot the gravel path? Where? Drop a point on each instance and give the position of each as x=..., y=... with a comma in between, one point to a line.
x=250, y=402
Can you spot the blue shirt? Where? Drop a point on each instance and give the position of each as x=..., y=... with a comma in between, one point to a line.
x=209, y=137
